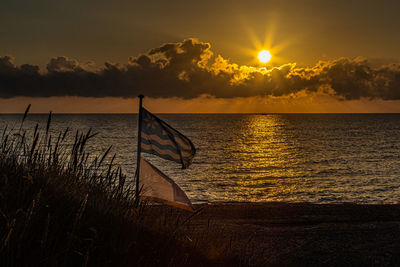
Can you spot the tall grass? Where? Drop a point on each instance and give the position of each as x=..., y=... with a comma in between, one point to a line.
x=62, y=206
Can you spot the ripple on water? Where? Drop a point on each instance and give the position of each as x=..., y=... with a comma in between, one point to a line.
x=318, y=158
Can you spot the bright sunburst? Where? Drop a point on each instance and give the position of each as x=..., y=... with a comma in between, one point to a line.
x=265, y=53
x=264, y=56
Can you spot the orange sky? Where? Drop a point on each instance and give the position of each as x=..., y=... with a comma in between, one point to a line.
x=296, y=103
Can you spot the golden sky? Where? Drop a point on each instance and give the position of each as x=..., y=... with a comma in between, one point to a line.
x=326, y=56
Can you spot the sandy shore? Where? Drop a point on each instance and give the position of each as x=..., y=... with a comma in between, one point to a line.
x=302, y=234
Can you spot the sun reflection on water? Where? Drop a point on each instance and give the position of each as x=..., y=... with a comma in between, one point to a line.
x=262, y=157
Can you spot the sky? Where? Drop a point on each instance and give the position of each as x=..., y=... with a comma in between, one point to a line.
x=200, y=56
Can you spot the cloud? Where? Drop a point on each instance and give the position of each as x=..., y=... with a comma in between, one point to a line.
x=189, y=69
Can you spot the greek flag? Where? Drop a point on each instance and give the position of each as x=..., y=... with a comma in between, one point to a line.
x=160, y=139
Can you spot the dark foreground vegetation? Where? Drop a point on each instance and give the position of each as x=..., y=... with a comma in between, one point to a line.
x=61, y=206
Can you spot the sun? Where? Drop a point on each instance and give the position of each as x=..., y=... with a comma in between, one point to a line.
x=264, y=56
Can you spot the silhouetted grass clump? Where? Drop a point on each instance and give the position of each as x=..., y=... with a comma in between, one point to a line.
x=62, y=206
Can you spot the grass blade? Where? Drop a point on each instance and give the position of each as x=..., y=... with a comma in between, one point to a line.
x=48, y=124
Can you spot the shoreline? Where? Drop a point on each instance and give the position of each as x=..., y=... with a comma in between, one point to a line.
x=293, y=234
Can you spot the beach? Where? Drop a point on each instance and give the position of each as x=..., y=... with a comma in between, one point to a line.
x=299, y=234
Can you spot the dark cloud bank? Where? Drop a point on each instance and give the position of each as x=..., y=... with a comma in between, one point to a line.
x=189, y=69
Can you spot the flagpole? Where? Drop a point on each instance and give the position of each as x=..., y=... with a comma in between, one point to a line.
x=139, y=147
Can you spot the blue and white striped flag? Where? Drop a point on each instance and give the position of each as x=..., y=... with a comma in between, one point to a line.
x=160, y=139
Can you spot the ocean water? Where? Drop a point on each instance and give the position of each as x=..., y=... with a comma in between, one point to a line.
x=318, y=158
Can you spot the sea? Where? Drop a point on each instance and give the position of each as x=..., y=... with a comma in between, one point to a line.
x=315, y=158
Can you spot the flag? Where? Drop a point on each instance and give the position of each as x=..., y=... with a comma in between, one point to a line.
x=160, y=139
x=156, y=186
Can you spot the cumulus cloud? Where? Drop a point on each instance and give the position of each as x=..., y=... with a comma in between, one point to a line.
x=189, y=69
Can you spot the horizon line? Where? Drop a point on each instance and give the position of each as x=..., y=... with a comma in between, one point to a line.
x=191, y=113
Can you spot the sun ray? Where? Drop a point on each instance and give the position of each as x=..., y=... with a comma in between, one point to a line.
x=267, y=42
x=270, y=30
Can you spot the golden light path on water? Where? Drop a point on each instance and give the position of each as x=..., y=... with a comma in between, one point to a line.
x=268, y=149
x=319, y=158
